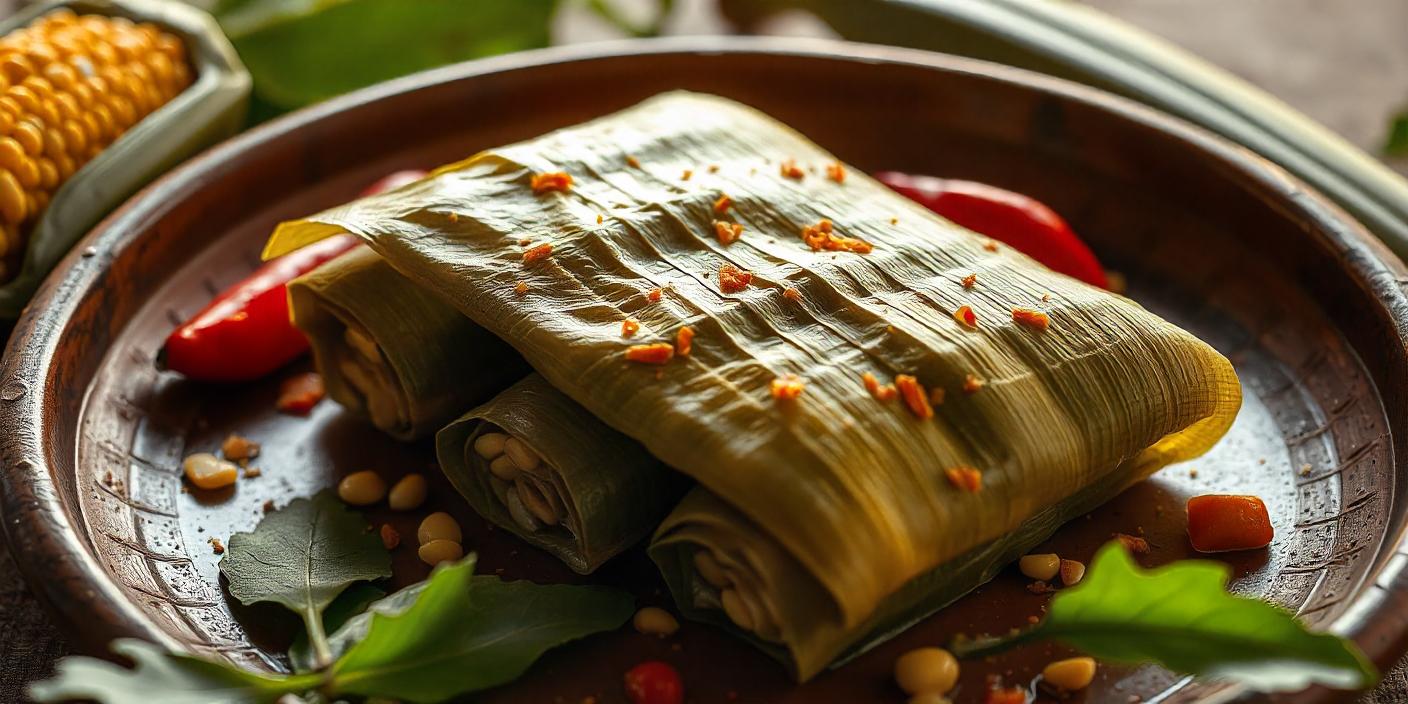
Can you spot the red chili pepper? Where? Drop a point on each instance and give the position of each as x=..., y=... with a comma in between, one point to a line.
x=1022, y=222
x=245, y=333
x=654, y=682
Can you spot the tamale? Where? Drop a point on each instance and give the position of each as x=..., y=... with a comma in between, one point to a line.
x=392, y=351
x=535, y=462
x=833, y=507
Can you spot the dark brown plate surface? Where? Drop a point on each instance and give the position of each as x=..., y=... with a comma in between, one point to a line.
x=1311, y=312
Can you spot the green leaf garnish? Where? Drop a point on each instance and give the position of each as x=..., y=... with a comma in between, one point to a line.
x=1182, y=617
x=464, y=633
x=348, y=604
x=1397, y=142
x=302, y=556
x=162, y=678
x=308, y=50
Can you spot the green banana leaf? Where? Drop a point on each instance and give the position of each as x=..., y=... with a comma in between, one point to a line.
x=835, y=498
x=396, y=353
x=1076, y=42
x=611, y=492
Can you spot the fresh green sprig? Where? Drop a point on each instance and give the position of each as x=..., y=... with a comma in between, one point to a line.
x=1182, y=617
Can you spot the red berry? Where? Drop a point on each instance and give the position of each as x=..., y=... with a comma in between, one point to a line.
x=654, y=682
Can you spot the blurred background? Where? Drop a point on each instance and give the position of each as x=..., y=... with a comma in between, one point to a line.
x=1342, y=62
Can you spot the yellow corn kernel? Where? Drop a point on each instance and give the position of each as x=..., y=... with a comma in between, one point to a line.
x=28, y=101
x=48, y=173
x=11, y=153
x=54, y=144
x=27, y=173
x=16, y=68
x=30, y=137
x=12, y=204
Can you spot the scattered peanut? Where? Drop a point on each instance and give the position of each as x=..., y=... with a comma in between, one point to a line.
x=438, y=551
x=439, y=526
x=523, y=456
x=736, y=610
x=490, y=445
x=504, y=468
x=207, y=471
x=926, y=670
x=237, y=447
x=1071, y=674
x=710, y=569
x=1041, y=567
x=408, y=493
x=655, y=621
x=1072, y=572
x=361, y=488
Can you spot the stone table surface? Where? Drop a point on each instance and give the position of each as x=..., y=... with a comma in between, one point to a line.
x=1343, y=62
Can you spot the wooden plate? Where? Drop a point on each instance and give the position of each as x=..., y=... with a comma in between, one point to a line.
x=1309, y=308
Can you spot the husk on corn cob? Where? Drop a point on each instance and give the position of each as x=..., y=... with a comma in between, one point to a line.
x=69, y=86
x=834, y=513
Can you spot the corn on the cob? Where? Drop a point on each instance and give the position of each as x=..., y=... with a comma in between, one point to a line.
x=69, y=86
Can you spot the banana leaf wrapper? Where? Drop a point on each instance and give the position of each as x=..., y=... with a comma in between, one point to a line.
x=392, y=351
x=842, y=500
x=609, y=491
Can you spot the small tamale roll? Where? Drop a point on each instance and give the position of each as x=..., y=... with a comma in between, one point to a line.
x=538, y=464
x=393, y=351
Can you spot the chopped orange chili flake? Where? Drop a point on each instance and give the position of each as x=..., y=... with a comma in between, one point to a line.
x=1045, y=297
x=787, y=387
x=972, y=384
x=521, y=288
x=965, y=478
x=632, y=162
x=791, y=170
x=1035, y=320
x=791, y=294
x=555, y=181
x=894, y=221
x=732, y=279
x=914, y=396
x=540, y=252
x=966, y=317
x=836, y=171
x=990, y=245
x=629, y=327
x=722, y=205
x=822, y=236
x=686, y=175
x=936, y=396
x=881, y=392
x=655, y=353
x=1132, y=543
x=684, y=341
x=970, y=281
x=655, y=295
x=454, y=217
x=1005, y=695
x=727, y=232
x=524, y=242
x=713, y=168
x=599, y=218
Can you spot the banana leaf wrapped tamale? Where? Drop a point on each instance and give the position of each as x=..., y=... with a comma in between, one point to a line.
x=834, y=504
x=538, y=464
x=392, y=351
